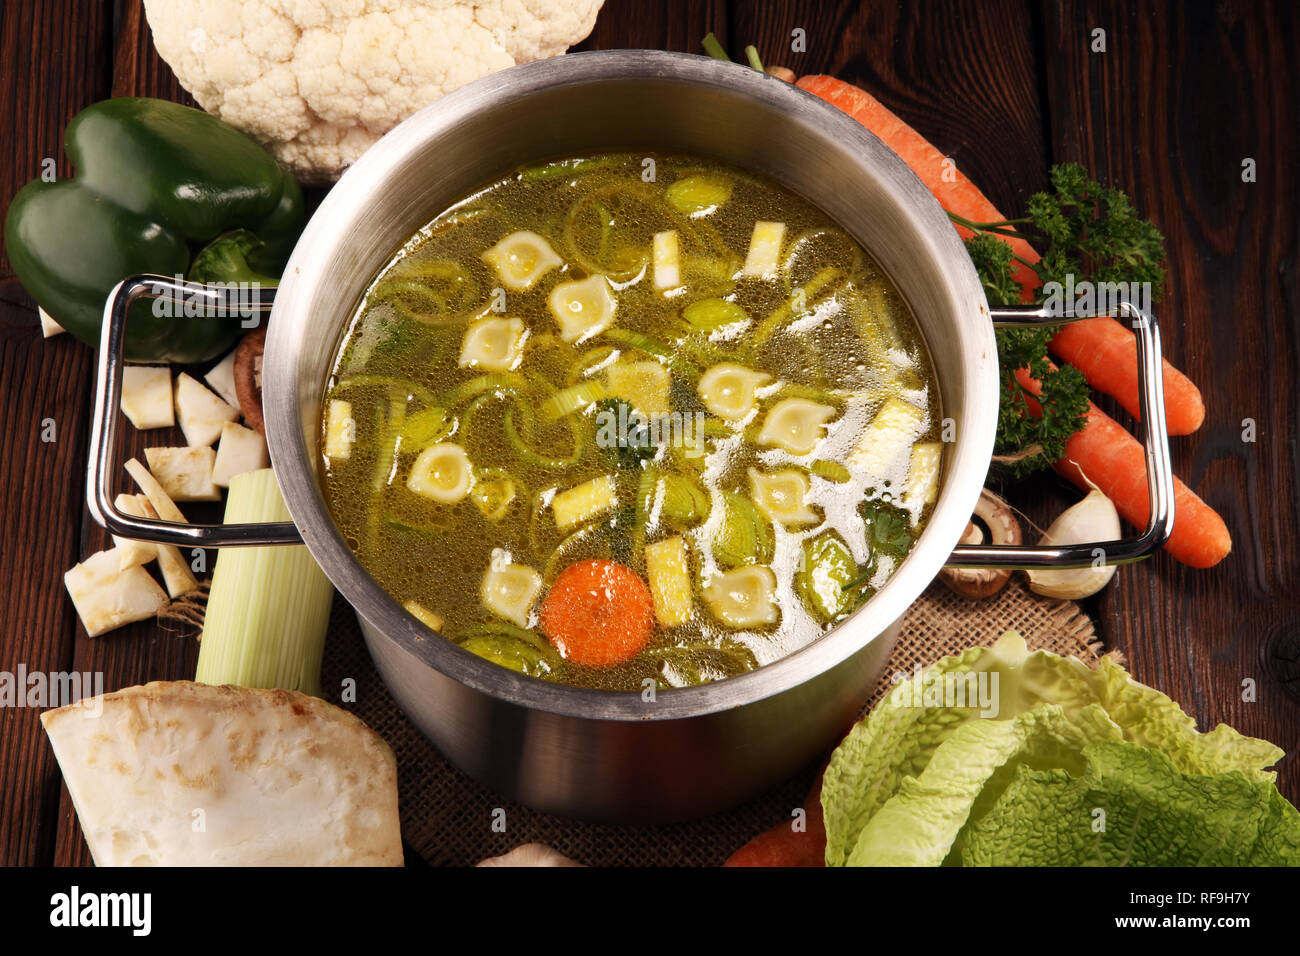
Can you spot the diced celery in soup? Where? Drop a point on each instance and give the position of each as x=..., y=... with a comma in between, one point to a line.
x=605, y=431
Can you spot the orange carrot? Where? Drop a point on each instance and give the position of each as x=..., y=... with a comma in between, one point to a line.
x=1115, y=462
x=783, y=845
x=1106, y=353
x=598, y=613
x=959, y=195
x=1102, y=348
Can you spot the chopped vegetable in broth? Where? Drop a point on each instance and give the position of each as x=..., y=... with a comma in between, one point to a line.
x=608, y=431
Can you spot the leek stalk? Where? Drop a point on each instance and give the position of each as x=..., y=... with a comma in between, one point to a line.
x=269, y=607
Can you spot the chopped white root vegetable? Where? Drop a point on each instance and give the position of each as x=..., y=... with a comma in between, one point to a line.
x=668, y=273
x=584, y=502
x=583, y=309
x=886, y=439
x=241, y=449
x=764, y=249
x=107, y=596
x=221, y=379
x=200, y=411
x=424, y=615
x=783, y=496
x=496, y=345
x=745, y=597
x=923, y=476
x=521, y=258
x=795, y=424
x=147, y=396
x=175, y=569
x=509, y=590
x=185, y=473
x=727, y=390
x=49, y=328
x=340, y=429
x=644, y=385
x=670, y=581
x=129, y=552
x=442, y=472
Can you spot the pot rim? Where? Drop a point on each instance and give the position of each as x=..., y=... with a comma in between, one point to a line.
x=965, y=469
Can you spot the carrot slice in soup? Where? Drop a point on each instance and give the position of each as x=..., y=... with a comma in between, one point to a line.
x=598, y=613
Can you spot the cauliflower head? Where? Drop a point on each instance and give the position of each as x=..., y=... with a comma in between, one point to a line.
x=319, y=81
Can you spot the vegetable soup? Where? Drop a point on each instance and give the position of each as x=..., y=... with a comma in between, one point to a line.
x=624, y=421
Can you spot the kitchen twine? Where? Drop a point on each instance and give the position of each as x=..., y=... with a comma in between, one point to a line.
x=447, y=817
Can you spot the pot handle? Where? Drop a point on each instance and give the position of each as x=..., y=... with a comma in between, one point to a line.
x=1160, y=483
x=212, y=299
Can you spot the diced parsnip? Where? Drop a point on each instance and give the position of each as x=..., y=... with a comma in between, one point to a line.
x=509, y=589
x=668, y=273
x=764, y=249
x=521, y=258
x=129, y=552
x=240, y=449
x=783, y=496
x=147, y=396
x=795, y=425
x=644, y=385
x=923, y=476
x=583, y=308
x=200, y=412
x=887, y=438
x=340, y=429
x=184, y=473
x=583, y=502
x=495, y=345
x=175, y=569
x=670, y=581
x=49, y=328
x=442, y=472
x=221, y=379
x=106, y=595
x=269, y=608
x=424, y=615
x=745, y=597
x=727, y=390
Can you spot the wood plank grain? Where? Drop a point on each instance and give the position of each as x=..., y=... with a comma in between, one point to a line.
x=1183, y=94
x=44, y=386
x=666, y=25
x=964, y=74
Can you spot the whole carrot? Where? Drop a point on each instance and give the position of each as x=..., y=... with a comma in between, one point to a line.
x=783, y=845
x=1102, y=349
x=1115, y=462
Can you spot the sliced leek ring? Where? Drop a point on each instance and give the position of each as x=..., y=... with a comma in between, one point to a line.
x=521, y=258
x=493, y=344
x=795, y=425
x=727, y=390
x=442, y=473
x=583, y=308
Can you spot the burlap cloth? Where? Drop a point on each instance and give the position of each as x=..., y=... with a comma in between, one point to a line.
x=447, y=817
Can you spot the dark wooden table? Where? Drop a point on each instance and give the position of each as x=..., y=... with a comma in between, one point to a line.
x=1182, y=95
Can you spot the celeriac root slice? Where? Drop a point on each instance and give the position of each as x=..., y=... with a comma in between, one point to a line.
x=175, y=773
x=132, y=553
x=147, y=396
x=200, y=412
x=175, y=569
x=106, y=595
x=240, y=450
x=185, y=472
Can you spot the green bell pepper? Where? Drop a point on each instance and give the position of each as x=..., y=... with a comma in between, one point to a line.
x=159, y=188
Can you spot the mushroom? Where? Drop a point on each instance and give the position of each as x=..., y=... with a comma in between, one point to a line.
x=975, y=583
x=248, y=378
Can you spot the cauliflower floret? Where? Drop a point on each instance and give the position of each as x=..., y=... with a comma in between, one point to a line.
x=319, y=81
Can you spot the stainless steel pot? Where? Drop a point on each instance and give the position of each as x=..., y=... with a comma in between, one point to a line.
x=609, y=755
